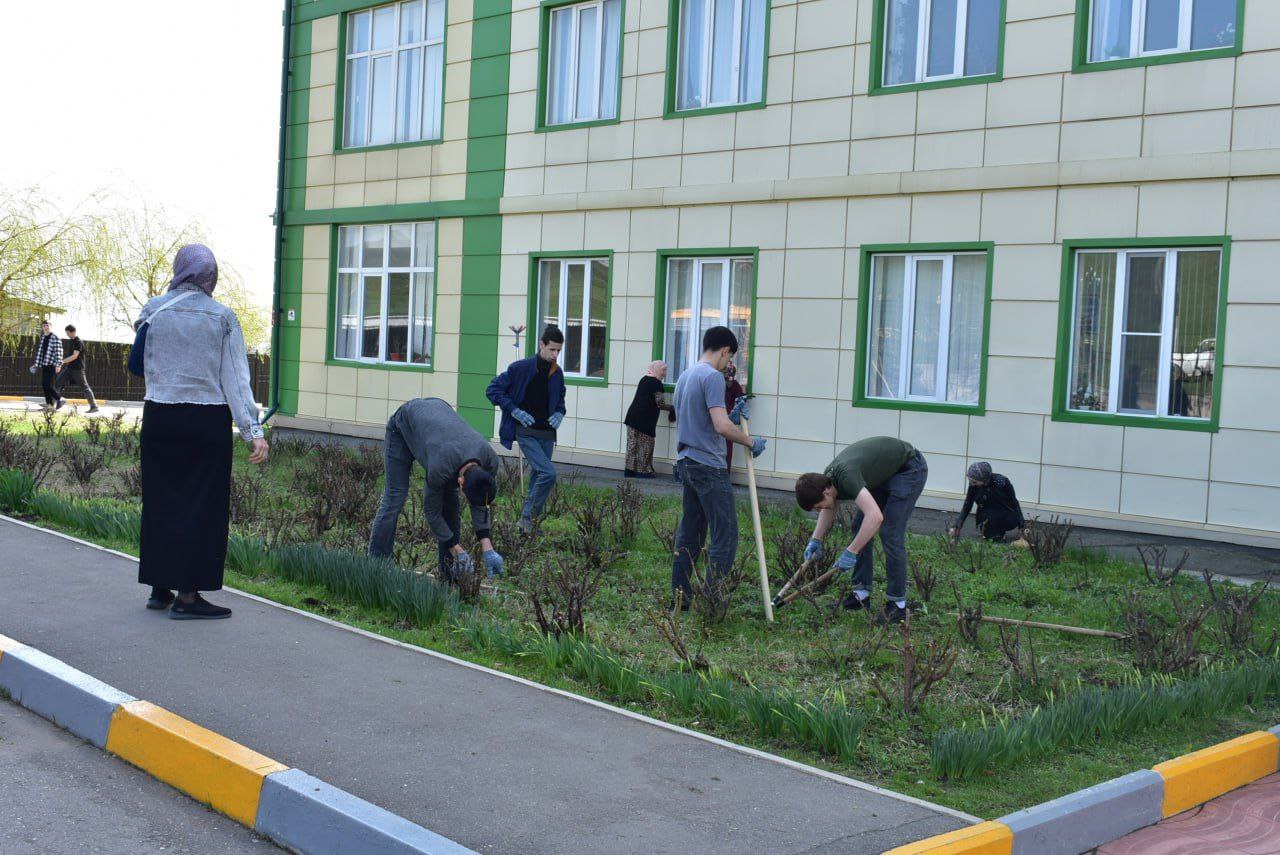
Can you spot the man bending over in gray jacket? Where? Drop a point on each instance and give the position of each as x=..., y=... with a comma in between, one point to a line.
x=454, y=456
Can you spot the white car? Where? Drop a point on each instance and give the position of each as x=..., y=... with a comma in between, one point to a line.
x=1198, y=362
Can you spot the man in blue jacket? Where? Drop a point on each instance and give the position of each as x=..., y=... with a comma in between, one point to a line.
x=530, y=394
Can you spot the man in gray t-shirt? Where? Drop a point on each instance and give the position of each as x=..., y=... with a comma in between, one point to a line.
x=702, y=425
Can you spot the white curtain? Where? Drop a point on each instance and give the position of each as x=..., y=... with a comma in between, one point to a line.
x=964, y=349
x=609, y=71
x=885, y=345
x=691, y=59
x=902, y=27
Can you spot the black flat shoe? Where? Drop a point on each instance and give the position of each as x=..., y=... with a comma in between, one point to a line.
x=851, y=602
x=160, y=599
x=891, y=614
x=197, y=609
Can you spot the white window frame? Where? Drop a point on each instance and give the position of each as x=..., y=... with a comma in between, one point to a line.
x=708, y=65
x=576, y=11
x=907, y=325
x=384, y=272
x=1137, y=33
x=693, y=343
x=562, y=310
x=395, y=52
x=1168, y=298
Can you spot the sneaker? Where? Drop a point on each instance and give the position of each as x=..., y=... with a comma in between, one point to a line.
x=197, y=609
x=852, y=602
x=92, y=410
x=61, y=403
x=160, y=599
x=891, y=613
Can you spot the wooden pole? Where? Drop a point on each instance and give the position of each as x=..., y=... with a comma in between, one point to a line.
x=755, y=520
x=1075, y=630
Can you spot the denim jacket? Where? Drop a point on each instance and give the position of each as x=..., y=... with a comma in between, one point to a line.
x=195, y=354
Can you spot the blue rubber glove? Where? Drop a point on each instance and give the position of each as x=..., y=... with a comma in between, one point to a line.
x=522, y=417
x=813, y=550
x=740, y=411
x=493, y=562
x=757, y=446
x=555, y=420
x=846, y=560
x=463, y=564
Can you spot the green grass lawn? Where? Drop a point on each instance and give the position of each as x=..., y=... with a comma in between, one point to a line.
x=813, y=649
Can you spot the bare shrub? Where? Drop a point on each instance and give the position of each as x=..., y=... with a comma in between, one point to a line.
x=665, y=536
x=1155, y=565
x=628, y=509
x=337, y=484
x=25, y=454
x=789, y=543
x=93, y=431
x=1047, y=540
x=924, y=577
x=509, y=478
x=50, y=424
x=131, y=482
x=279, y=521
x=561, y=592
x=518, y=549
x=670, y=625
x=558, y=503
x=1021, y=662
x=1159, y=643
x=946, y=544
x=1234, y=609
x=972, y=555
x=82, y=460
x=713, y=595
x=969, y=618
x=841, y=640
x=921, y=670
x=247, y=490
x=466, y=579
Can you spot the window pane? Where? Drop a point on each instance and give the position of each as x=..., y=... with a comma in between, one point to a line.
x=588, y=64
x=724, y=81
x=573, y=320
x=401, y=244
x=679, y=316
x=409, y=96
x=711, y=313
x=398, y=317
x=964, y=350
x=433, y=93
x=349, y=246
x=598, y=321
x=751, y=75
x=559, y=95
x=1213, y=24
x=421, y=345
x=1195, y=318
x=942, y=38
x=1112, y=25
x=384, y=28
x=435, y=20
x=346, y=344
x=1139, y=357
x=383, y=105
x=358, y=33
x=375, y=241
x=1161, y=30
x=1145, y=296
x=885, y=345
x=740, y=294
x=902, y=29
x=371, y=339
x=424, y=250
x=357, y=109
x=609, y=63
x=411, y=22
x=924, y=329
x=982, y=32
x=692, y=61
x=1091, y=331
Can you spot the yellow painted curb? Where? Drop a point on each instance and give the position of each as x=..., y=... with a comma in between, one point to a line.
x=985, y=838
x=1196, y=778
x=210, y=768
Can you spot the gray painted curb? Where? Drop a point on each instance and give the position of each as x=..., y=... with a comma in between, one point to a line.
x=58, y=692
x=1088, y=818
x=1275, y=731
x=308, y=815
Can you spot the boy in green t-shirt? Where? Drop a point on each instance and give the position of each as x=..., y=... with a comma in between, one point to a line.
x=883, y=476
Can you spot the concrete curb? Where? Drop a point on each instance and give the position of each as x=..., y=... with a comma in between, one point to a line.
x=1086, y=819
x=287, y=805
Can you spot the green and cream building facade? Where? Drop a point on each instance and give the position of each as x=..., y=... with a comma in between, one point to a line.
x=1043, y=233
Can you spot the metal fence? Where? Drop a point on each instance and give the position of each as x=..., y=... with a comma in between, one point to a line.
x=106, y=368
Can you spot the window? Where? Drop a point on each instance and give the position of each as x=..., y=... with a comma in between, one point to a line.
x=386, y=290
x=720, y=53
x=934, y=40
x=1126, y=29
x=573, y=294
x=925, y=327
x=1144, y=332
x=702, y=293
x=582, y=59
x=394, y=74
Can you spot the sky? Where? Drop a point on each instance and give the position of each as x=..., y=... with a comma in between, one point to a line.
x=177, y=101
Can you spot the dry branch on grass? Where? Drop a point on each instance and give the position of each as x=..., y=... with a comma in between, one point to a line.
x=670, y=625
x=924, y=578
x=1161, y=644
x=1021, y=663
x=1047, y=540
x=1155, y=565
x=1234, y=610
x=921, y=670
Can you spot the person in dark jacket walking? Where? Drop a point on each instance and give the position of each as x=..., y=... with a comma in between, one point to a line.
x=454, y=457
x=48, y=361
x=530, y=394
x=73, y=368
x=998, y=508
x=642, y=420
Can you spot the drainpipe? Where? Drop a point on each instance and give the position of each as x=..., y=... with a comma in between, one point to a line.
x=274, y=403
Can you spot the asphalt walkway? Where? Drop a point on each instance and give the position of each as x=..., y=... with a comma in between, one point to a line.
x=493, y=763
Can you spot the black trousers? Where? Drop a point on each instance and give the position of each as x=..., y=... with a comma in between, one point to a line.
x=74, y=374
x=186, y=495
x=48, y=374
x=994, y=524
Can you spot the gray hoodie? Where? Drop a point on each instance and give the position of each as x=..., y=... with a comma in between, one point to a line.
x=442, y=442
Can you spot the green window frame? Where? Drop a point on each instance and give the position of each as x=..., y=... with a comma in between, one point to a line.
x=663, y=259
x=879, y=87
x=1084, y=25
x=673, y=66
x=340, y=87
x=541, y=125
x=331, y=317
x=534, y=325
x=1066, y=321
x=917, y=252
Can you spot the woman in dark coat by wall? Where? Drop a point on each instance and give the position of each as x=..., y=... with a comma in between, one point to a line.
x=998, y=509
x=197, y=377
x=642, y=420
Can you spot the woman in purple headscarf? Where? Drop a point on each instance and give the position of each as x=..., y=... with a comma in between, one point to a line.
x=197, y=375
x=642, y=420
x=998, y=509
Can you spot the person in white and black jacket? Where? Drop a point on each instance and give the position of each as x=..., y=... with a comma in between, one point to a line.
x=48, y=361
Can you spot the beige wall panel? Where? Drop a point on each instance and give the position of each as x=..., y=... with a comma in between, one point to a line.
x=1250, y=398
x=1182, y=208
x=1252, y=211
x=1083, y=446
x=1017, y=10
x=895, y=154
x=959, y=108
x=1251, y=335
x=1247, y=457
x=820, y=160
x=809, y=373
x=802, y=418
x=957, y=150
x=1024, y=101
x=1087, y=489
x=1256, y=128
x=1164, y=498
x=609, y=175
x=945, y=217
x=811, y=324
x=816, y=224
x=941, y=433
x=884, y=115
x=1187, y=133
x=1010, y=436
x=824, y=74
x=1019, y=216
x=708, y=168
x=855, y=423
x=794, y=456
x=1104, y=212
x=760, y=225
x=1243, y=507
x=1253, y=272
x=312, y=345
x=1038, y=46
x=883, y=219
x=814, y=273
x=1019, y=385
x=1030, y=144
x=1182, y=86
x=704, y=225
x=1101, y=139
x=1103, y=94
x=1174, y=453
x=1027, y=272
x=820, y=121
x=824, y=23
x=1256, y=75
x=565, y=179
x=1023, y=328
x=315, y=242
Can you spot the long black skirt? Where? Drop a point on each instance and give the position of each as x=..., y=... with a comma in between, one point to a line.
x=186, y=495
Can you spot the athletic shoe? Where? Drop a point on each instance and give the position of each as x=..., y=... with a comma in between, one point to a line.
x=160, y=599
x=197, y=609
x=93, y=410
x=891, y=613
x=852, y=603
x=61, y=403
